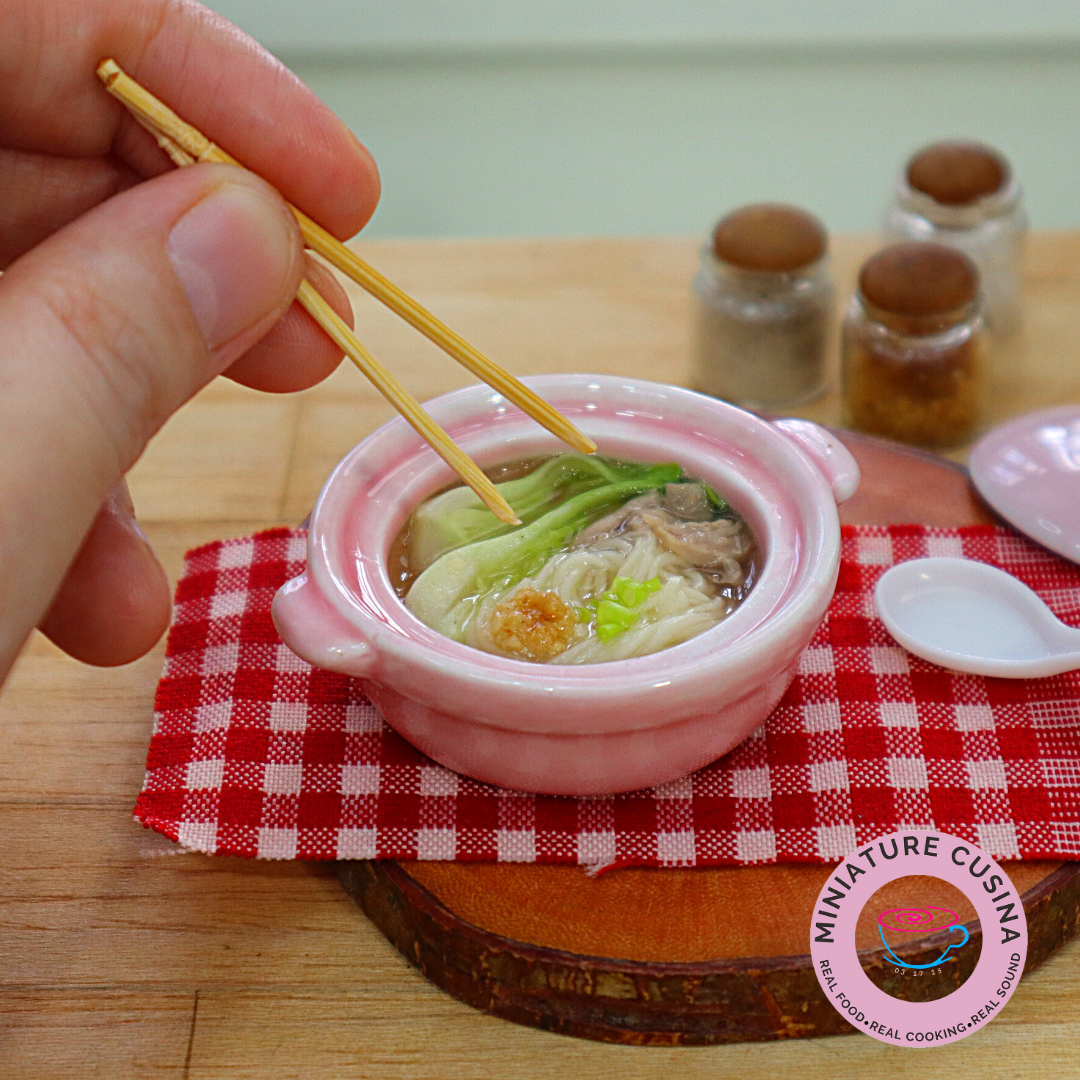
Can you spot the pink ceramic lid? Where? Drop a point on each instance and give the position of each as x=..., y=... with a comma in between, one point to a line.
x=1028, y=470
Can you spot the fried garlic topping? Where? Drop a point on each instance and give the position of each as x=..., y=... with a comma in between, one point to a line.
x=533, y=625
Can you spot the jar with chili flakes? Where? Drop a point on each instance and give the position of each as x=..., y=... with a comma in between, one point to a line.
x=913, y=347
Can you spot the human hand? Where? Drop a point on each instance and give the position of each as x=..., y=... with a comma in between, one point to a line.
x=128, y=285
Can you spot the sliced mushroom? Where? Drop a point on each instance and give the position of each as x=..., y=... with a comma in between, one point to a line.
x=619, y=519
x=688, y=501
x=700, y=543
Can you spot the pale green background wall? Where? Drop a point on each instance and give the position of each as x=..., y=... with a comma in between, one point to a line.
x=505, y=118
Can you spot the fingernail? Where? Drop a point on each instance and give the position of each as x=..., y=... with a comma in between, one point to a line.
x=118, y=503
x=234, y=253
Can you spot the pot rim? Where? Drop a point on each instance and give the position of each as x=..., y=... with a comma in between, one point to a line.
x=396, y=633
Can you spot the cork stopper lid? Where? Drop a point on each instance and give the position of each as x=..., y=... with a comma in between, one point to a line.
x=957, y=173
x=770, y=237
x=919, y=280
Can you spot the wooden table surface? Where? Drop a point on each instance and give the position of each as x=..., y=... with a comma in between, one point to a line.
x=121, y=958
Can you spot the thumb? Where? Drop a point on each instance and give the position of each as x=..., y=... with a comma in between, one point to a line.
x=114, y=601
x=105, y=330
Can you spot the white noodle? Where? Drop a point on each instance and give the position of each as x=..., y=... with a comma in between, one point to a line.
x=687, y=603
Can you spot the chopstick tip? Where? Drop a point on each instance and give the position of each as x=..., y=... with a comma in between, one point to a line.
x=108, y=71
x=495, y=503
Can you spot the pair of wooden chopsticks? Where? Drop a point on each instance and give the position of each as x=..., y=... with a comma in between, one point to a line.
x=186, y=145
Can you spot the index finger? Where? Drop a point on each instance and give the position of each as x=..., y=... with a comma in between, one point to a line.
x=204, y=68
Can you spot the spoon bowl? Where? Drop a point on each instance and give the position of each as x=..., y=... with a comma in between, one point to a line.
x=974, y=618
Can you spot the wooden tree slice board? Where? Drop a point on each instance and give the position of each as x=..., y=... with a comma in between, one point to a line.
x=683, y=956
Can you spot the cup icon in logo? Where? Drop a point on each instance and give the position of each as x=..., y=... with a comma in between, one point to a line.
x=924, y=920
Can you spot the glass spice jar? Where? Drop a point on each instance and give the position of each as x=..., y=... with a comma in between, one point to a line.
x=765, y=307
x=912, y=348
x=964, y=195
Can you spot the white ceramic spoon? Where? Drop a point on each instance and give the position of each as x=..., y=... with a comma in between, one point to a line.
x=972, y=617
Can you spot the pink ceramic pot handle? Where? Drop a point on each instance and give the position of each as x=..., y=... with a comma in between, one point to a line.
x=826, y=451
x=317, y=633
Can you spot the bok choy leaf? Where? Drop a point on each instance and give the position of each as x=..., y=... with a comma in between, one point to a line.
x=458, y=517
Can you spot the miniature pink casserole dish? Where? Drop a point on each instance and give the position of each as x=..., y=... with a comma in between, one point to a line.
x=592, y=728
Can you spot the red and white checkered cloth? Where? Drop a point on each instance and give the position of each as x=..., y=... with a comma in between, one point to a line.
x=255, y=753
